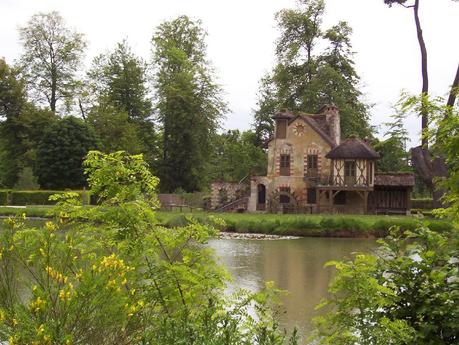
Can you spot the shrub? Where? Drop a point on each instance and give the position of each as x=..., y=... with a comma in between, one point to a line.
x=110, y=274
x=404, y=294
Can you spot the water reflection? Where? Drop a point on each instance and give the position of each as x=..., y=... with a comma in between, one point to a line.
x=294, y=265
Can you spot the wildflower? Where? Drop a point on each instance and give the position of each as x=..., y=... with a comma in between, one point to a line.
x=37, y=305
x=40, y=329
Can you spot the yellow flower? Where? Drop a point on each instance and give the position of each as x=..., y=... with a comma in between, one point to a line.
x=37, y=305
x=40, y=329
x=15, y=322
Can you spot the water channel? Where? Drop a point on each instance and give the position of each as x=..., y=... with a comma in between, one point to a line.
x=296, y=265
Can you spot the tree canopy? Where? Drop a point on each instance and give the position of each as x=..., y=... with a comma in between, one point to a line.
x=305, y=77
x=51, y=58
x=61, y=152
x=189, y=103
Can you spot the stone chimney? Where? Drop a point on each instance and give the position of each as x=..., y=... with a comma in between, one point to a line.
x=333, y=120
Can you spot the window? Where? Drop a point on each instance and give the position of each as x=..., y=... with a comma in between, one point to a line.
x=312, y=165
x=285, y=165
x=281, y=129
x=312, y=196
x=349, y=173
x=284, y=199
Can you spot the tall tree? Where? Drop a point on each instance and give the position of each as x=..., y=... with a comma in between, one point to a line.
x=424, y=72
x=305, y=77
x=120, y=78
x=430, y=168
x=121, y=103
x=189, y=103
x=12, y=100
x=21, y=126
x=52, y=55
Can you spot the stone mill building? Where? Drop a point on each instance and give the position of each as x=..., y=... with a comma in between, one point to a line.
x=311, y=170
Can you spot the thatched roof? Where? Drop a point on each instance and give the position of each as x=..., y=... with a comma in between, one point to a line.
x=394, y=179
x=353, y=148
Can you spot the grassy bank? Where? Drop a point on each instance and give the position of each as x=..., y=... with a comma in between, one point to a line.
x=307, y=225
x=280, y=224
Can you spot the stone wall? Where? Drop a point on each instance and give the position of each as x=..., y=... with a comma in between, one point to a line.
x=225, y=192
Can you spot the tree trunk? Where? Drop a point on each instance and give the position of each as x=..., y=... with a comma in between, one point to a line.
x=453, y=93
x=431, y=170
x=425, y=76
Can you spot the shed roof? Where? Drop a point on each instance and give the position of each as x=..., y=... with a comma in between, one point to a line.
x=394, y=179
x=353, y=148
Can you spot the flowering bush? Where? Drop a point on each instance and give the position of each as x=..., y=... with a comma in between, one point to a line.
x=110, y=274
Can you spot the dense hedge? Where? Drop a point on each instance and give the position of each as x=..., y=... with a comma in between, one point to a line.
x=34, y=197
x=3, y=197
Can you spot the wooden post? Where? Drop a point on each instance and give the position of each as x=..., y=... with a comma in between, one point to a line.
x=365, y=202
x=408, y=201
x=318, y=200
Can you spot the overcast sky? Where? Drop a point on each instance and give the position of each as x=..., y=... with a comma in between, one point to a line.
x=242, y=36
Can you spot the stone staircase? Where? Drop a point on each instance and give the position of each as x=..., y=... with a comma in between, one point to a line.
x=238, y=205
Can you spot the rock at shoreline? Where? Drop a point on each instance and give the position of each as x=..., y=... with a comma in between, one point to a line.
x=248, y=236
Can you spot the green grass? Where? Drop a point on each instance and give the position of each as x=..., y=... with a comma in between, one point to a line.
x=281, y=224
x=307, y=225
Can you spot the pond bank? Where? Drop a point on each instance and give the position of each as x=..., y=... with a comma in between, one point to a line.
x=302, y=225
x=306, y=225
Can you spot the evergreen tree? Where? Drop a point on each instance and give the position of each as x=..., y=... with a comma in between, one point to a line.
x=305, y=78
x=121, y=110
x=189, y=103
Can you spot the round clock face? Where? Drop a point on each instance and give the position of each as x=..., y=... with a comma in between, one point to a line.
x=299, y=129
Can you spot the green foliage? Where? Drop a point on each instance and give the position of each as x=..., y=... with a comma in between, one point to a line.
x=111, y=275
x=52, y=56
x=120, y=105
x=237, y=157
x=21, y=127
x=3, y=197
x=27, y=180
x=305, y=78
x=12, y=99
x=61, y=151
x=189, y=103
x=119, y=78
x=394, y=155
x=114, y=130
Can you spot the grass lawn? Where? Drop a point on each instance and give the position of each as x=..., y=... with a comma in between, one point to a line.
x=280, y=224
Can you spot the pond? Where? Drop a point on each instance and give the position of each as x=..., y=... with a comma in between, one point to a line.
x=296, y=265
